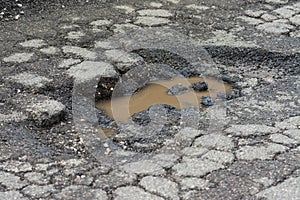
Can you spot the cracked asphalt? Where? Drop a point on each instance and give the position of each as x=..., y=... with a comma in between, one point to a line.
x=48, y=49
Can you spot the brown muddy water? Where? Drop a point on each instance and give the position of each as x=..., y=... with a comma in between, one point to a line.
x=156, y=92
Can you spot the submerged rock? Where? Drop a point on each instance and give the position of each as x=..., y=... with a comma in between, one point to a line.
x=207, y=101
x=199, y=86
x=178, y=89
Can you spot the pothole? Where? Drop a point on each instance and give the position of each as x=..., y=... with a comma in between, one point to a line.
x=180, y=93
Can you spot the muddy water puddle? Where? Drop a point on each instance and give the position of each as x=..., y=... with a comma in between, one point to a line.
x=156, y=92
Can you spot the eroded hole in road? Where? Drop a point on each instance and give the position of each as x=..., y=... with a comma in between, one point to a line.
x=181, y=93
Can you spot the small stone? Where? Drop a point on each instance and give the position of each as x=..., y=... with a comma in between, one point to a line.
x=265, y=151
x=37, y=191
x=127, y=9
x=133, y=192
x=151, y=21
x=81, y=192
x=207, y=101
x=19, y=57
x=35, y=43
x=144, y=167
x=75, y=35
x=89, y=70
x=268, y=17
x=67, y=63
x=161, y=186
x=276, y=28
x=250, y=20
x=178, y=89
x=256, y=14
x=295, y=20
x=30, y=80
x=219, y=156
x=199, y=86
x=46, y=112
x=193, y=183
x=285, y=12
x=155, y=13
x=219, y=142
x=195, y=167
x=83, y=52
x=282, y=139
x=50, y=50
x=101, y=22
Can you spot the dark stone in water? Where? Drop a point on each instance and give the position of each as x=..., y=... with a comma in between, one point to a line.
x=199, y=86
x=207, y=101
x=178, y=89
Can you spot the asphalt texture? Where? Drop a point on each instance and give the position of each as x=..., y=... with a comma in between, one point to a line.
x=58, y=57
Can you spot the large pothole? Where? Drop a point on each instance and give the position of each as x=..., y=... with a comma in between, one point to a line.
x=151, y=103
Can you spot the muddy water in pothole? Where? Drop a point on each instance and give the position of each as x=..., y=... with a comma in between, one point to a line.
x=156, y=92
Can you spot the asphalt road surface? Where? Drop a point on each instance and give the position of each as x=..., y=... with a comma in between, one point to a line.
x=57, y=57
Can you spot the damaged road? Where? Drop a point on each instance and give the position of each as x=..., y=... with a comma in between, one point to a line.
x=245, y=146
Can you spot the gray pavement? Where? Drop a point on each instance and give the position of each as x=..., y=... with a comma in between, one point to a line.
x=250, y=151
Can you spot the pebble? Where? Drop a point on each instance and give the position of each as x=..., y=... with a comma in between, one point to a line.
x=178, y=89
x=199, y=86
x=207, y=101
